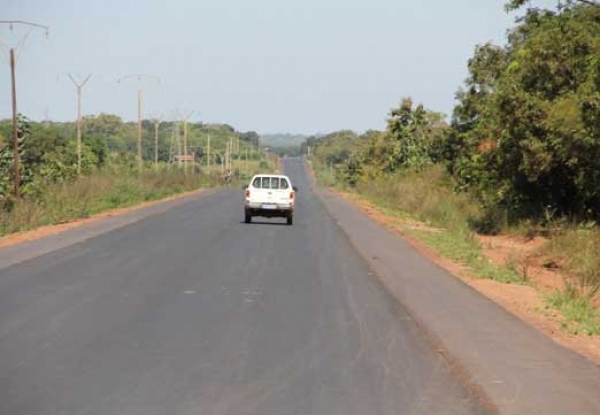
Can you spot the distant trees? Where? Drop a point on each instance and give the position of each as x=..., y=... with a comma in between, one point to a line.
x=409, y=142
x=48, y=150
x=251, y=137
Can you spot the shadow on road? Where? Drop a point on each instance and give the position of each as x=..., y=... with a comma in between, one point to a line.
x=264, y=223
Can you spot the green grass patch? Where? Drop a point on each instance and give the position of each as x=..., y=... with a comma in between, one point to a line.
x=462, y=246
x=580, y=316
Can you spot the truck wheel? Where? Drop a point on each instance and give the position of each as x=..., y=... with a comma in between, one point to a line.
x=290, y=220
x=247, y=217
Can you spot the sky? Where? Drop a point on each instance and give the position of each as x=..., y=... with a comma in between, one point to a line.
x=271, y=66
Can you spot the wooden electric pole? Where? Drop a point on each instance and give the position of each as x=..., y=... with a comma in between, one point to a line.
x=208, y=151
x=139, y=139
x=14, y=125
x=178, y=139
x=230, y=153
x=185, y=118
x=139, y=78
x=157, y=122
x=15, y=130
x=79, y=87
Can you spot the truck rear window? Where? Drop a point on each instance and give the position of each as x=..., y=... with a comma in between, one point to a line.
x=270, y=183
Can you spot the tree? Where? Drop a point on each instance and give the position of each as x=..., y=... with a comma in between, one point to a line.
x=517, y=4
x=530, y=141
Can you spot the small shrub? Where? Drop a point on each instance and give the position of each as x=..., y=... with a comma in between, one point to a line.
x=580, y=248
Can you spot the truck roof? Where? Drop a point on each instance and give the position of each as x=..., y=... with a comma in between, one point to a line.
x=270, y=175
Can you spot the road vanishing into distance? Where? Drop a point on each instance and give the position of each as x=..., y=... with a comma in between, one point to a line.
x=191, y=311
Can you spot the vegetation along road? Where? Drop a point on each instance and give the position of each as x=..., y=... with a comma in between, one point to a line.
x=443, y=264
x=188, y=308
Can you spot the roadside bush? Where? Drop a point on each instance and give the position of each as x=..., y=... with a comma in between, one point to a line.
x=427, y=194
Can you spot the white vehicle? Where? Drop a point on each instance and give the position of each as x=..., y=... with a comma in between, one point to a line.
x=270, y=196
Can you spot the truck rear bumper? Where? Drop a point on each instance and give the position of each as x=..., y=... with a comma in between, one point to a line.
x=272, y=211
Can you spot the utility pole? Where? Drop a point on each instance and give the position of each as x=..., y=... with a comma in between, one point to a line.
x=222, y=158
x=15, y=130
x=14, y=126
x=139, y=141
x=178, y=139
x=139, y=78
x=185, y=118
x=230, y=153
x=79, y=87
x=157, y=121
x=171, y=143
x=208, y=151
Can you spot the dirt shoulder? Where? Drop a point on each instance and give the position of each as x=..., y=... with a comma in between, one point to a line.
x=49, y=230
x=524, y=301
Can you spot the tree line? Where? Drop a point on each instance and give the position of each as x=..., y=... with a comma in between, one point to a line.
x=524, y=136
x=47, y=150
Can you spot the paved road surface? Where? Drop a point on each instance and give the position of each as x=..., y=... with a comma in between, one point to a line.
x=190, y=311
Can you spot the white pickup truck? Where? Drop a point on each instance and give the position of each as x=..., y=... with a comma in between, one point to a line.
x=270, y=196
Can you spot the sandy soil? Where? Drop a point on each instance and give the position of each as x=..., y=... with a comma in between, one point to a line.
x=43, y=231
x=524, y=301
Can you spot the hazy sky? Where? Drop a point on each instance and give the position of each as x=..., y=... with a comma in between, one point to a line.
x=300, y=66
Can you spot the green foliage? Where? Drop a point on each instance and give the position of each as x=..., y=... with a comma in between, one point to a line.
x=522, y=150
x=409, y=130
x=580, y=315
x=517, y=4
x=48, y=151
x=411, y=142
x=525, y=134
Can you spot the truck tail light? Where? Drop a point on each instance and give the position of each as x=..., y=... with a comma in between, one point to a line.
x=247, y=193
x=292, y=195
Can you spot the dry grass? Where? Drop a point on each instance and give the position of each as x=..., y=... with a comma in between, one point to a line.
x=426, y=195
x=115, y=186
x=578, y=249
x=104, y=189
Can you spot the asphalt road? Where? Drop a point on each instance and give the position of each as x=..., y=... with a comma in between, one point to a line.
x=190, y=311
